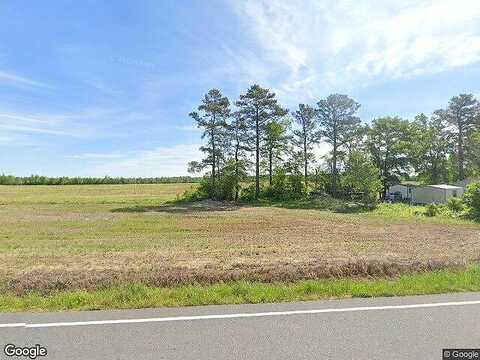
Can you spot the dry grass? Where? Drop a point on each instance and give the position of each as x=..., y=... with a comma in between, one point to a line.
x=69, y=237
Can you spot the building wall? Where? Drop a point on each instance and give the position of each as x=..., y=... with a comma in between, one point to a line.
x=451, y=193
x=428, y=195
x=401, y=189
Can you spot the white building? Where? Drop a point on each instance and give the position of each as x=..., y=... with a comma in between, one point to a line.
x=401, y=192
x=438, y=194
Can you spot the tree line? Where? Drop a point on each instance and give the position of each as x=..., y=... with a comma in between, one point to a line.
x=257, y=135
x=44, y=180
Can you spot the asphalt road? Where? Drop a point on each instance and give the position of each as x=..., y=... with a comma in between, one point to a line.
x=385, y=328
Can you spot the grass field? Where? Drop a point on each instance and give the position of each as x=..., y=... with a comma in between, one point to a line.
x=95, y=237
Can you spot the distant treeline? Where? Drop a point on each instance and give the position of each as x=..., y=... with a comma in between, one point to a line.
x=44, y=180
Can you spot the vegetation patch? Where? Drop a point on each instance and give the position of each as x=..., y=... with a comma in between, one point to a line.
x=131, y=296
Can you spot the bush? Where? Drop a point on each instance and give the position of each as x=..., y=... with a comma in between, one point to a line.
x=431, y=210
x=285, y=186
x=455, y=205
x=296, y=186
x=248, y=193
x=278, y=189
x=471, y=199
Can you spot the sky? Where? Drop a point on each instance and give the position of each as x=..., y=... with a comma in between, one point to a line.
x=95, y=88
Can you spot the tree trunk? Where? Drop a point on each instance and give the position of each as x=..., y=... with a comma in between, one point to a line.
x=334, y=167
x=236, y=174
x=385, y=178
x=257, y=156
x=270, y=166
x=461, y=155
x=214, y=160
x=305, y=158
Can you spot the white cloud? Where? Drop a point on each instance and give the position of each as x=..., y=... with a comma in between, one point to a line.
x=161, y=161
x=93, y=122
x=13, y=123
x=14, y=79
x=190, y=128
x=96, y=156
x=324, y=46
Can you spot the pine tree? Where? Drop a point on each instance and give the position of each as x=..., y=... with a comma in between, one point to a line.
x=212, y=117
x=258, y=106
x=276, y=143
x=307, y=134
x=462, y=116
x=339, y=123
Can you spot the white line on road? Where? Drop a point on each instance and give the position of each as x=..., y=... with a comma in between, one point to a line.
x=12, y=325
x=242, y=315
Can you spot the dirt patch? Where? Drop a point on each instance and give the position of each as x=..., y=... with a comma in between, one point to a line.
x=48, y=281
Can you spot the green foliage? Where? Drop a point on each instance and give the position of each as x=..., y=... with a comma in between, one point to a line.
x=285, y=186
x=455, y=205
x=461, y=121
x=278, y=189
x=248, y=193
x=296, y=186
x=362, y=176
x=64, y=180
x=431, y=210
x=212, y=117
x=340, y=126
x=258, y=107
x=307, y=135
x=430, y=149
x=388, y=140
x=472, y=201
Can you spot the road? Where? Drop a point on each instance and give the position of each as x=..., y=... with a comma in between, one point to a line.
x=416, y=327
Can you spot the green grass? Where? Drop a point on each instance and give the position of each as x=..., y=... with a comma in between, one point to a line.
x=139, y=296
x=388, y=211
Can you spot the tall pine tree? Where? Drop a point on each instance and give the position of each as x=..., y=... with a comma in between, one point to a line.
x=212, y=118
x=338, y=120
x=461, y=117
x=307, y=134
x=259, y=106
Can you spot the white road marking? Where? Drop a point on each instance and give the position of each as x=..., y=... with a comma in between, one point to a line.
x=242, y=315
x=13, y=325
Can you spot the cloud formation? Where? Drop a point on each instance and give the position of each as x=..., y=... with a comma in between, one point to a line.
x=17, y=80
x=324, y=46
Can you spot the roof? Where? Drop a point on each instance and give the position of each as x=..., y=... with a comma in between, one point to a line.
x=410, y=183
x=446, y=187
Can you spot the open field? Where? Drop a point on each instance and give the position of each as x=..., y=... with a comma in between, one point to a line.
x=90, y=237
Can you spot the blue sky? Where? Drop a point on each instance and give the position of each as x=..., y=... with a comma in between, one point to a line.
x=96, y=88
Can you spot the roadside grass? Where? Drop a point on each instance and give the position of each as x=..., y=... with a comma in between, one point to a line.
x=139, y=296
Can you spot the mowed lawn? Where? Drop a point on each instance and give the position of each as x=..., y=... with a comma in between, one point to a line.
x=92, y=236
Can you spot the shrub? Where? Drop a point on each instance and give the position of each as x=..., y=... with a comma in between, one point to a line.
x=296, y=186
x=248, y=193
x=471, y=199
x=455, y=205
x=278, y=190
x=285, y=186
x=431, y=210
